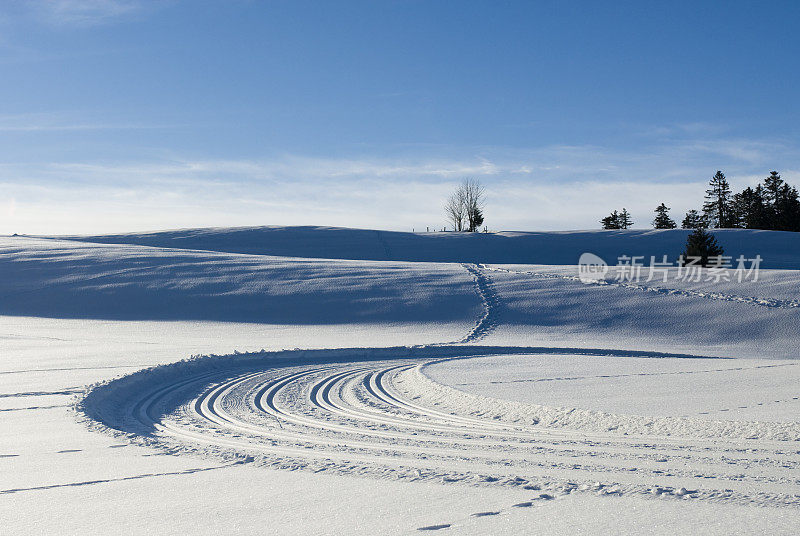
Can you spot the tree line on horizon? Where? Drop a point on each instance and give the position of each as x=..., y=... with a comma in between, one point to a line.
x=772, y=205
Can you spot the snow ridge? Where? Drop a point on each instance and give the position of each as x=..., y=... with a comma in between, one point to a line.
x=772, y=303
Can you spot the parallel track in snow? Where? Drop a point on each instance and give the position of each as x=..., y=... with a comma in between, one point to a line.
x=366, y=418
x=351, y=415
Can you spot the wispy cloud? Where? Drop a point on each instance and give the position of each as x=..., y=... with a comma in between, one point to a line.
x=677, y=162
x=58, y=121
x=694, y=129
x=104, y=197
x=84, y=12
x=557, y=187
x=287, y=168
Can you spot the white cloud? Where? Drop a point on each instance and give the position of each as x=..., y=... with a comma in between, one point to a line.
x=58, y=122
x=88, y=12
x=67, y=207
x=559, y=187
x=83, y=12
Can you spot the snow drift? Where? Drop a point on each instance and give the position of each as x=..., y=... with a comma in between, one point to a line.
x=780, y=250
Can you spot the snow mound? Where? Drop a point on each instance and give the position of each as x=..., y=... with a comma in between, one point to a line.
x=780, y=250
x=67, y=279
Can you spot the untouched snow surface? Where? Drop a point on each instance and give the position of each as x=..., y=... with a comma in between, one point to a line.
x=779, y=249
x=696, y=388
x=366, y=390
x=67, y=279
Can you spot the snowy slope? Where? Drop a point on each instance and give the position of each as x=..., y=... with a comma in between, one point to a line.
x=561, y=311
x=67, y=279
x=779, y=249
x=699, y=391
x=467, y=398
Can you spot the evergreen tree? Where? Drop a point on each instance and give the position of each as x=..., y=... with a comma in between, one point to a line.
x=611, y=221
x=787, y=209
x=662, y=220
x=761, y=214
x=773, y=188
x=717, y=207
x=625, y=220
x=477, y=219
x=701, y=243
x=617, y=220
x=773, y=205
x=693, y=220
x=748, y=209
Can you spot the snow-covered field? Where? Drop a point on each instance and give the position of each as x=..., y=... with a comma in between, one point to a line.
x=335, y=381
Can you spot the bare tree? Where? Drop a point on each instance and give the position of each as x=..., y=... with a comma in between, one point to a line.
x=473, y=194
x=464, y=208
x=456, y=210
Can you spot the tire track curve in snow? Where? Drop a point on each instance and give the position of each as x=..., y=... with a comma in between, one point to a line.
x=373, y=412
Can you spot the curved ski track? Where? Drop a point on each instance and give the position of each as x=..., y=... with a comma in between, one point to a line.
x=353, y=418
x=361, y=416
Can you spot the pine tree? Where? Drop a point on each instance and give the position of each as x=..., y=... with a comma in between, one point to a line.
x=662, y=220
x=773, y=188
x=718, y=201
x=617, y=220
x=693, y=220
x=477, y=219
x=760, y=214
x=787, y=209
x=612, y=221
x=748, y=210
x=625, y=220
x=701, y=243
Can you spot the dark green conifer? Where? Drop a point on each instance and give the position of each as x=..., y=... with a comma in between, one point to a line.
x=701, y=243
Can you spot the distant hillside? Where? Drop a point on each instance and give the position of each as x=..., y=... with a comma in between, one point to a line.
x=780, y=250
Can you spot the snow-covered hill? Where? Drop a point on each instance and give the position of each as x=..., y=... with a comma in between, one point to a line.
x=780, y=250
x=356, y=387
x=69, y=279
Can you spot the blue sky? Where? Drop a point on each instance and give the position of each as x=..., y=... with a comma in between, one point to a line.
x=127, y=115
